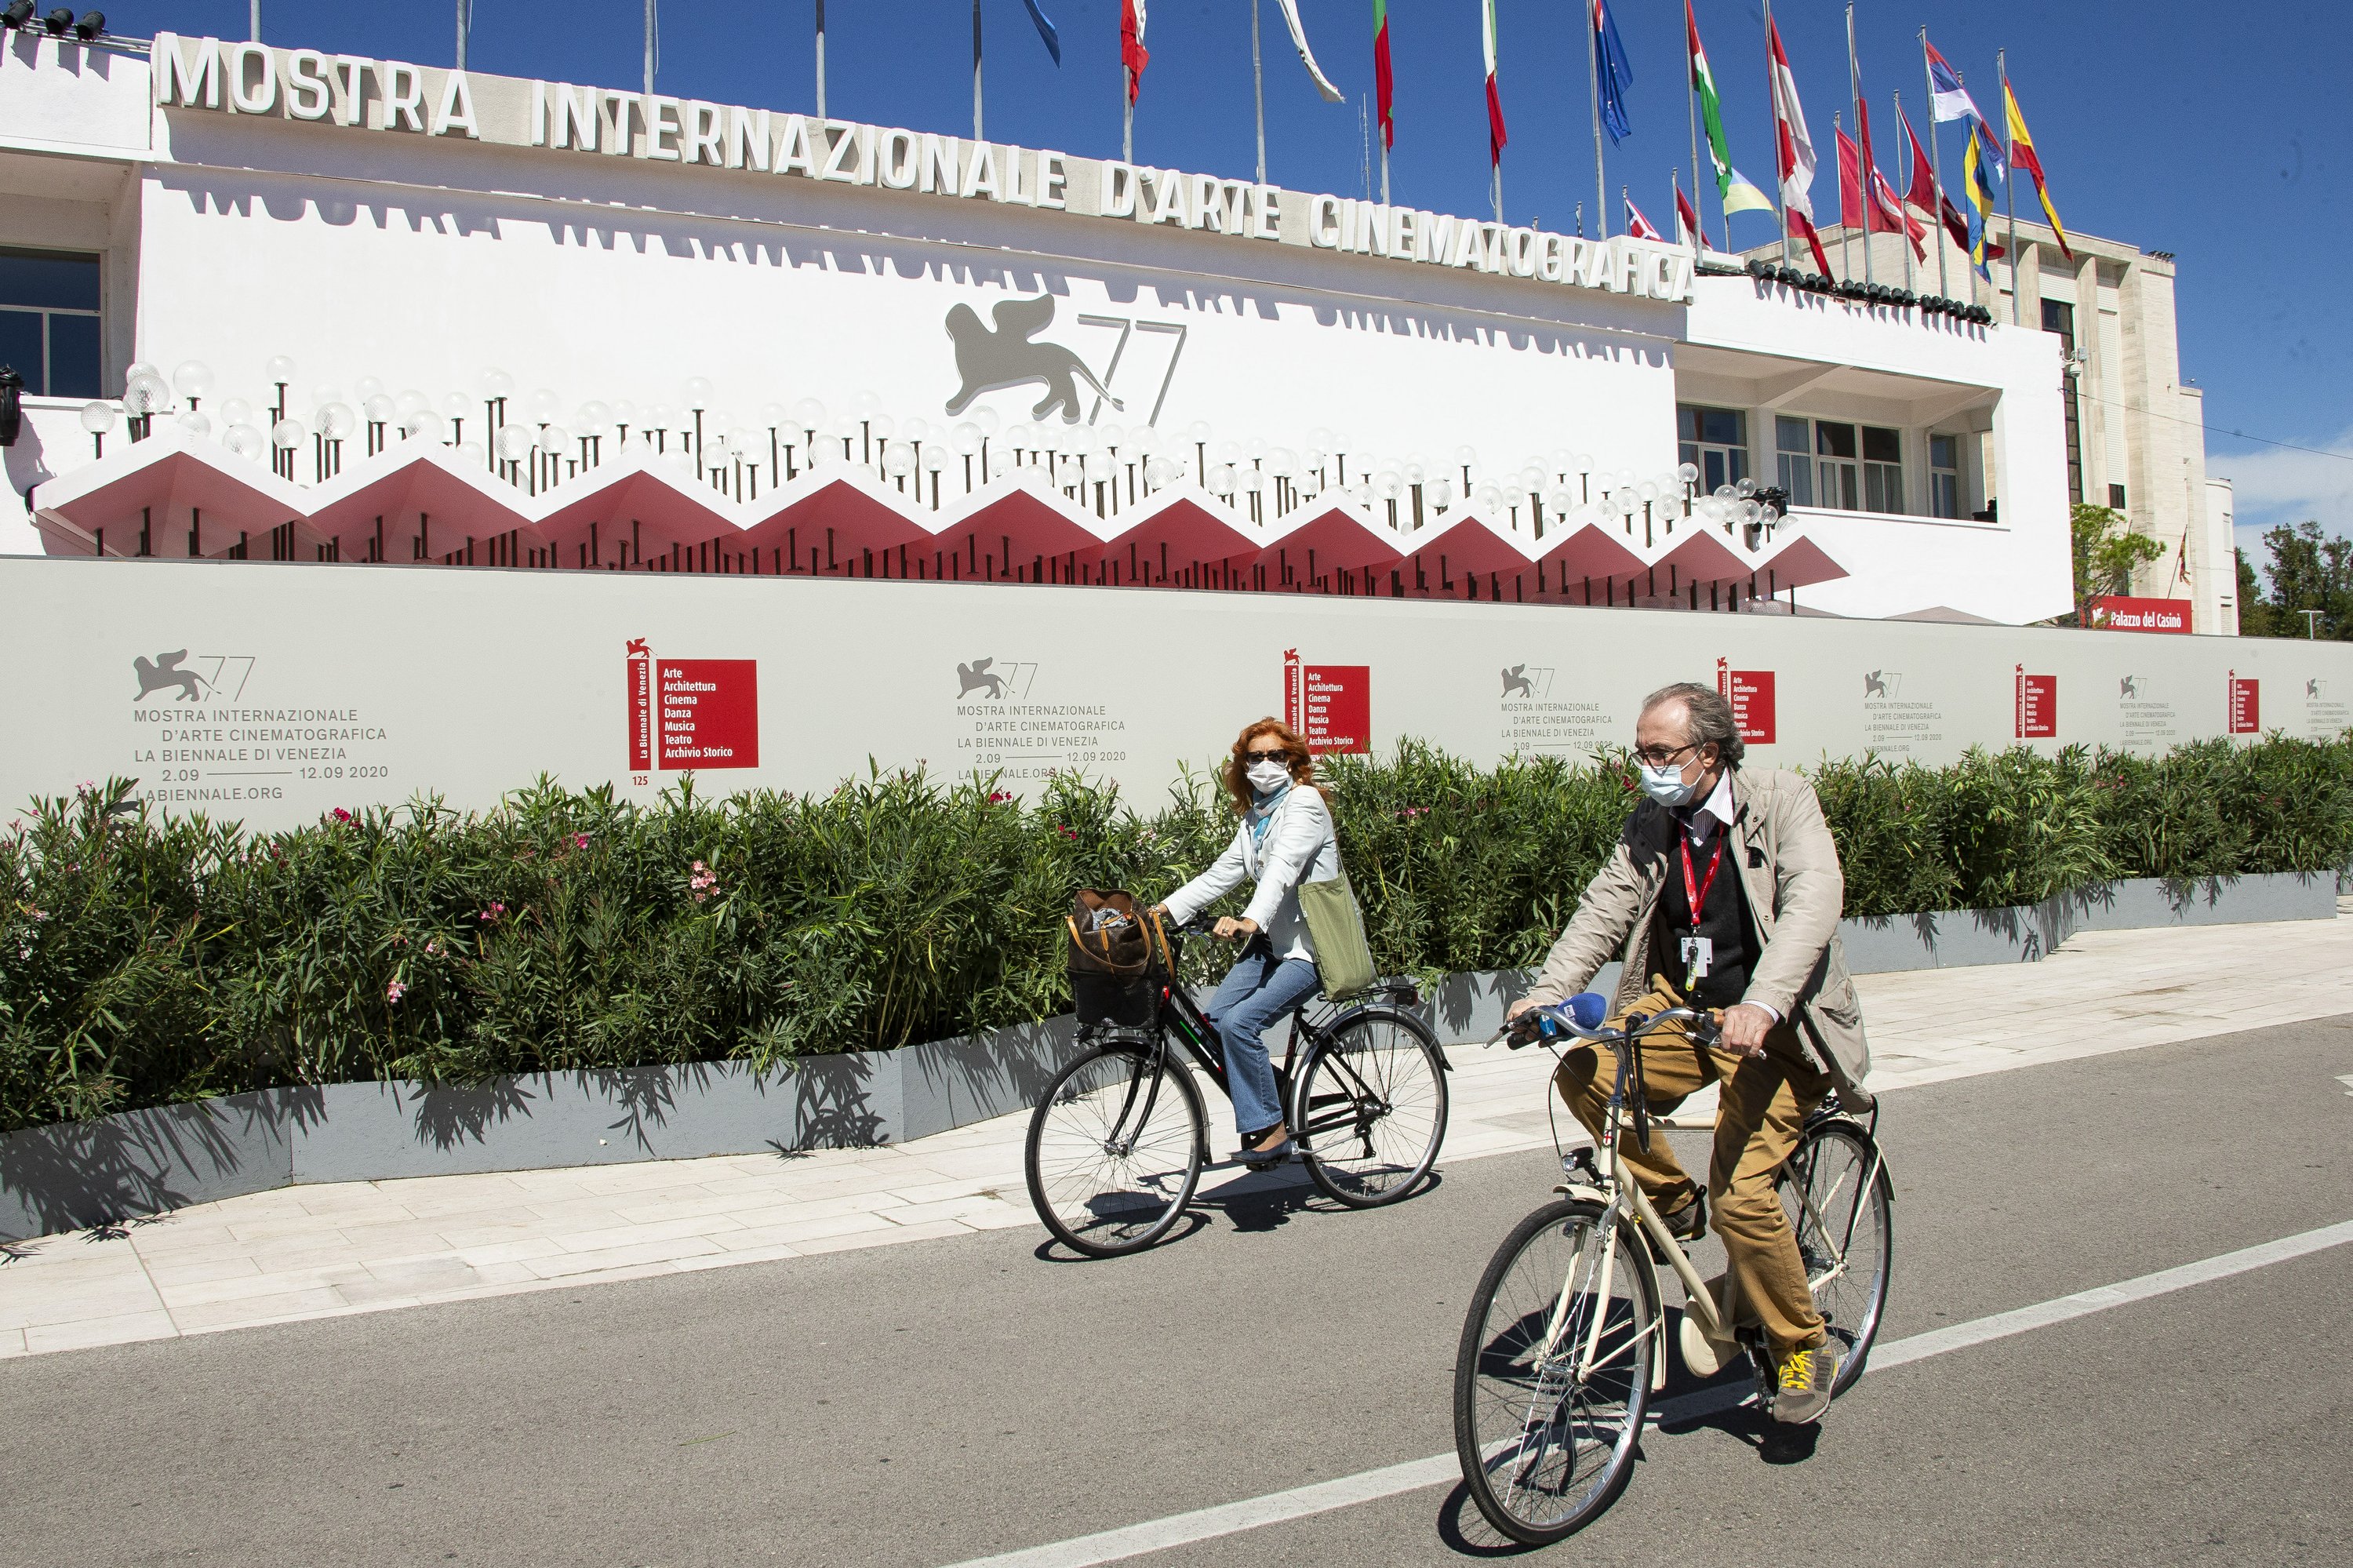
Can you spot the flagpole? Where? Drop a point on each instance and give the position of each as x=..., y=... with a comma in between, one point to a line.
x=1773, y=91
x=1904, y=240
x=1258, y=93
x=820, y=61
x=1126, y=115
x=650, y=35
x=1699, y=202
x=1935, y=166
x=1862, y=146
x=465, y=25
x=1846, y=229
x=2009, y=177
x=1593, y=73
x=975, y=70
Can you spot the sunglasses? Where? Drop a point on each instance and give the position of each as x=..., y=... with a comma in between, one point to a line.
x=1280, y=755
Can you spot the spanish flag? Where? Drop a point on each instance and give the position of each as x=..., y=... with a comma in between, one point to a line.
x=2022, y=155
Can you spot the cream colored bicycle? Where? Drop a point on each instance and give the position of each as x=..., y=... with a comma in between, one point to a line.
x=1565, y=1342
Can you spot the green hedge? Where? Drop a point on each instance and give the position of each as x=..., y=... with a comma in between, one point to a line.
x=147, y=959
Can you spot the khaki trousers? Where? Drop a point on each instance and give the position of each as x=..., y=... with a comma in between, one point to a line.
x=1765, y=1104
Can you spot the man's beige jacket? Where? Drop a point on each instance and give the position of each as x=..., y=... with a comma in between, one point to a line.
x=1789, y=869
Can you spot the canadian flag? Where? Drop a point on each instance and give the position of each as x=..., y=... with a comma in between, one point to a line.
x=1797, y=153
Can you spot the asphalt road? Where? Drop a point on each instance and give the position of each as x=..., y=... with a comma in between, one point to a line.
x=928, y=1404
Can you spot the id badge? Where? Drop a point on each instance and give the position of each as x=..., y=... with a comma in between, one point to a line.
x=1699, y=957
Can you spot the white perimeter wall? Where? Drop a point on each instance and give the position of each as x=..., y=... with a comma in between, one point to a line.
x=469, y=684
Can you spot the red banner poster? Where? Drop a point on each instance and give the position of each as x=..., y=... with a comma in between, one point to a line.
x=710, y=713
x=2115, y=612
x=2246, y=704
x=2038, y=706
x=1750, y=692
x=1330, y=704
x=641, y=707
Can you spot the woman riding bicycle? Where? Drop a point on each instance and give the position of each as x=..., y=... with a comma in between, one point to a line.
x=1284, y=837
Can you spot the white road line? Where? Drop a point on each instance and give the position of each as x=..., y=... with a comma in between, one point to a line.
x=1251, y=1513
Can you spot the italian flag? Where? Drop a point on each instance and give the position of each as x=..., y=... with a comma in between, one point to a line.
x=1384, y=85
x=1738, y=193
x=1495, y=137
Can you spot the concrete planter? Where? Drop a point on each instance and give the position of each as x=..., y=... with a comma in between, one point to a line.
x=77, y=1174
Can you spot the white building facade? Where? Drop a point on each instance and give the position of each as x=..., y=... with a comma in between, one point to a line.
x=513, y=323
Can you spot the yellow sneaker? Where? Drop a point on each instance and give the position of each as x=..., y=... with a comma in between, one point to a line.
x=1806, y=1377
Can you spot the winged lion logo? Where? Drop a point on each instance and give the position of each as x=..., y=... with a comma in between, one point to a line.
x=989, y=361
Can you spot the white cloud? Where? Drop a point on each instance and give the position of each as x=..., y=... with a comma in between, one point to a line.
x=2279, y=484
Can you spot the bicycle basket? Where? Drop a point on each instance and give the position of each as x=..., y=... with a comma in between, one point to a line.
x=1118, y=954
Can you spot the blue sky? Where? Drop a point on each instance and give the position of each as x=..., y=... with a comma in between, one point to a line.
x=2214, y=133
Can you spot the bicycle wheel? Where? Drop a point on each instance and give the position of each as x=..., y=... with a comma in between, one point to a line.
x=1839, y=1201
x=1371, y=1108
x=1554, y=1373
x=1114, y=1149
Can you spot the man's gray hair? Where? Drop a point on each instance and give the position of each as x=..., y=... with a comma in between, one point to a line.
x=1707, y=717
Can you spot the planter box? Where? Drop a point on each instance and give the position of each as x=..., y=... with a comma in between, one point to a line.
x=77, y=1174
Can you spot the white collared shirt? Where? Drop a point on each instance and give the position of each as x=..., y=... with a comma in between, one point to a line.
x=1714, y=814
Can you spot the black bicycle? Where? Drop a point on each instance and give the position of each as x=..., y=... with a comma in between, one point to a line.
x=1118, y=1143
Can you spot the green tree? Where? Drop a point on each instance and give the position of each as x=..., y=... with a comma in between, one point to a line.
x=2105, y=551
x=2254, y=610
x=2308, y=570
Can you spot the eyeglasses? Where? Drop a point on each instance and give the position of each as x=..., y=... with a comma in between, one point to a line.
x=1282, y=756
x=1660, y=755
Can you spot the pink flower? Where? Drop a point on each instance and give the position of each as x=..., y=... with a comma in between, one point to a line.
x=492, y=914
x=579, y=841
x=395, y=991
x=432, y=949
x=999, y=797
x=340, y=815
x=704, y=880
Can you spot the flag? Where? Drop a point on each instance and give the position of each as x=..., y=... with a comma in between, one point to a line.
x=1687, y=228
x=1924, y=192
x=1738, y=194
x=1495, y=137
x=1044, y=30
x=1978, y=182
x=1384, y=84
x=1797, y=153
x=1951, y=101
x=1879, y=217
x=1132, y=52
x=1640, y=227
x=1888, y=216
x=2022, y=153
x=1307, y=56
x=1850, y=181
x=1613, y=71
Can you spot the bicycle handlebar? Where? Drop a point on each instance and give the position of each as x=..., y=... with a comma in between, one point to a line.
x=1560, y=1018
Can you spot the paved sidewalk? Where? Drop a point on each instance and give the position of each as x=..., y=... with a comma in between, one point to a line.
x=328, y=1251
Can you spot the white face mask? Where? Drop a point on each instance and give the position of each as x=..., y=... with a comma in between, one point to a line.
x=1666, y=786
x=1266, y=778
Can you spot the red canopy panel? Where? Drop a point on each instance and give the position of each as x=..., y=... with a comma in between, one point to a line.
x=1331, y=548
x=1467, y=557
x=179, y=489
x=1181, y=543
x=1796, y=564
x=1585, y=555
x=837, y=527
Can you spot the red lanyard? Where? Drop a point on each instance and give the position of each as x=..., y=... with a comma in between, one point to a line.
x=1696, y=891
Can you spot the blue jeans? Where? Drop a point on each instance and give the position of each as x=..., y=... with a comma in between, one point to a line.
x=1259, y=989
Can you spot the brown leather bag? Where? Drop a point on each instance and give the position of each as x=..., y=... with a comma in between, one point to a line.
x=1119, y=956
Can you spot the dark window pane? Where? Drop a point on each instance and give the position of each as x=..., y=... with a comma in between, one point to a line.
x=1789, y=435
x=1941, y=452
x=73, y=356
x=1686, y=422
x=49, y=277
x=20, y=348
x=2116, y=496
x=1834, y=441
x=1882, y=445
x=1712, y=473
x=1722, y=428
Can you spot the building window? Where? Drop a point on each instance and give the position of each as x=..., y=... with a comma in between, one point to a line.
x=1944, y=476
x=1883, y=470
x=2116, y=496
x=1793, y=449
x=1837, y=474
x=2058, y=316
x=48, y=321
x=1715, y=442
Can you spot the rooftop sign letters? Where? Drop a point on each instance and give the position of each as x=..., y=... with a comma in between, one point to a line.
x=394, y=96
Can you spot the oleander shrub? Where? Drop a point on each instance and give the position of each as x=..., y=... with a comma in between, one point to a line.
x=147, y=959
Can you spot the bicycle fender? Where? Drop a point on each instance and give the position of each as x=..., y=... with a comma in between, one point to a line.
x=1579, y=1190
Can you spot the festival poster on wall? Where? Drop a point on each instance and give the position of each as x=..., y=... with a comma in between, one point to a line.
x=692, y=714
x=2246, y=705
x=1330, y=704
x=1750, y=692
x=2038, y=706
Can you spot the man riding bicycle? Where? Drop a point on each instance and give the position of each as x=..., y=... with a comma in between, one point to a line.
x=1724, y=892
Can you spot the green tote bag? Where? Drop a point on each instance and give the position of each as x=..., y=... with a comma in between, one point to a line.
x=1336, y=924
